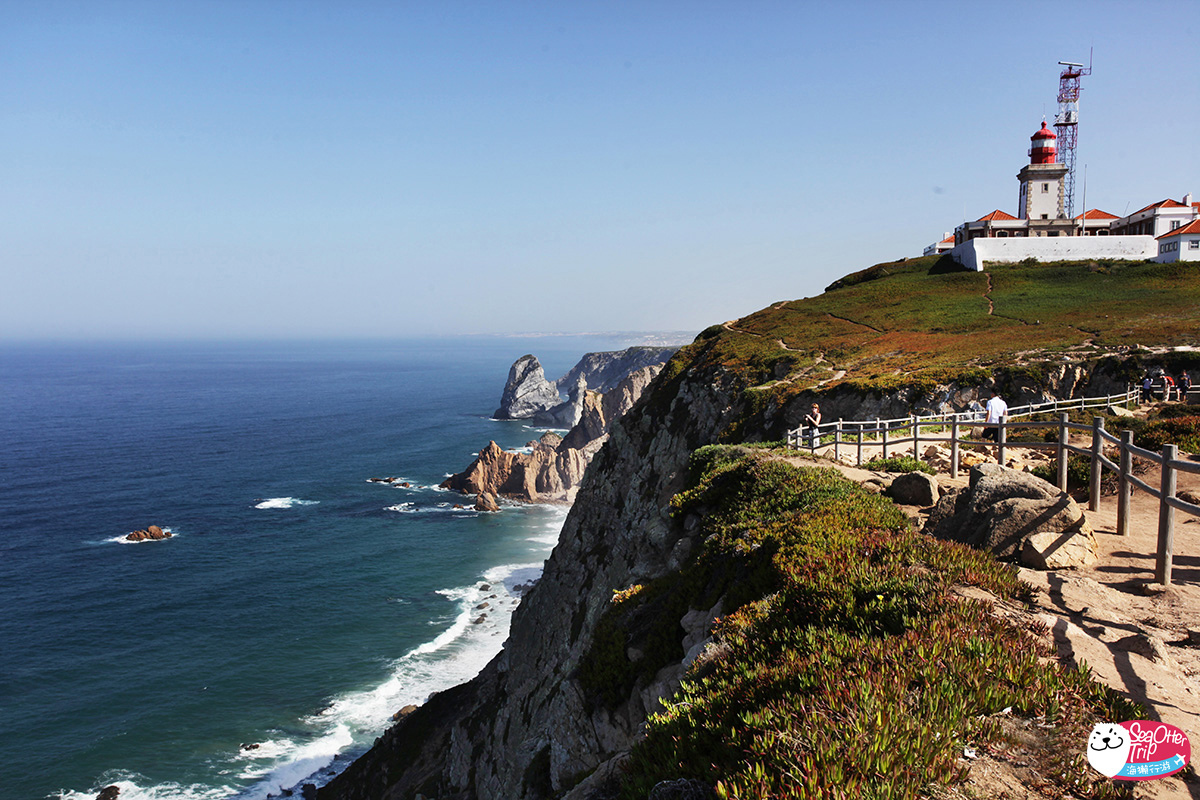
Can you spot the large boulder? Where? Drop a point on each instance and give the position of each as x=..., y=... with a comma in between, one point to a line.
x=527, y=391
x=1015, y=515
x=914, y=489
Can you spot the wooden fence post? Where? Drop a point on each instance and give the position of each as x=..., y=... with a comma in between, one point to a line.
x=954, y=447
x=1097, y=470
x=916, y=432
x=1166, y=517
x=1064, y=438
x=837, y=441
x=859, y=444
x=1124, y=484
x=1001, y=438
x=883, y=431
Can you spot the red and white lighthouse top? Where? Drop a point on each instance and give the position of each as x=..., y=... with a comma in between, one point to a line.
x=1043, y=147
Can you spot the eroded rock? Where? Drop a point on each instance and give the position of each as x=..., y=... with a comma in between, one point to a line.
x=1015, y=515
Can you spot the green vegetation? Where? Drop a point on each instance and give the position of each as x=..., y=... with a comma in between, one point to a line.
x=899, y=464
x=917, y=323
x=846, y=666
x=1183, y=431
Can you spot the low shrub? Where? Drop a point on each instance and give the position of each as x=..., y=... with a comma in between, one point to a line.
x=899, y=464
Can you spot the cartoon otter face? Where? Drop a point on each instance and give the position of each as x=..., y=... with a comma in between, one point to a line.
x=1108, y=748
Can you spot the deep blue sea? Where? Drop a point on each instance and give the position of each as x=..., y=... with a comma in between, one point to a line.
x=296, y=606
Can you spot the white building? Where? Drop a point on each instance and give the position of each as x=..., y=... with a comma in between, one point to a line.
x=1042, y=231
x=1181, y=244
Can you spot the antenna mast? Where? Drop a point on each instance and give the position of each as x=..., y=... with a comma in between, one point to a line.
x=1067, y=124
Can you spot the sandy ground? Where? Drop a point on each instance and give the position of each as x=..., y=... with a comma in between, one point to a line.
x=1135, y=635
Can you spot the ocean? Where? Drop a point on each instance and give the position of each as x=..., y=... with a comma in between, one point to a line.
x=297, y=605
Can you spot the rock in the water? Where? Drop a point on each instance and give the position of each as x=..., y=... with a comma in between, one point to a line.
x=151, y=533
x=109, y=793
x=1015, y=514
x=486, y=501
x=527, y=391
x=914, y=489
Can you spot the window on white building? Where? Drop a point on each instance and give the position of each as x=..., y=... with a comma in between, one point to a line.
x=1045, y=188
x=1194, y=244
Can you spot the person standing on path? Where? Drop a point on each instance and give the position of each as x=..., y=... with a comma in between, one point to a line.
x=813, y=420
x=997, y=411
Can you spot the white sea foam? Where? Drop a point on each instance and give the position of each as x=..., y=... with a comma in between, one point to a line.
x=285, y=502
x=131, y=790
x=441, y=508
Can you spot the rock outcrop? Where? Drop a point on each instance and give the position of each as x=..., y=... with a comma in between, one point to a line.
x=565, y=415
x=603, y=371
x=152, y=533
x=548, y=473
x=528, y=395
x=1016, y=515
x=554, y=466
x=527, y=391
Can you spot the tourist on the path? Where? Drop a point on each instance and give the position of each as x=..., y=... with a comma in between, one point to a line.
x=1185, y=386
x=1168, y=387
x=1147, y=385
x=813, y=420
x=997, y=410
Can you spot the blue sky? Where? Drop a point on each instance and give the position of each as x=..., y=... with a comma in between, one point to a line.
x=308, y=169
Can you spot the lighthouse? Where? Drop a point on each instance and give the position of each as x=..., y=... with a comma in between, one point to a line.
x=1041, y=197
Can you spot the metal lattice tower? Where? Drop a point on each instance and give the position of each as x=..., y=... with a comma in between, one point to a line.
x=1067, y=125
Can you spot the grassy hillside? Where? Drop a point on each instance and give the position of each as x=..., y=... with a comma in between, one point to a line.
x=926, y=320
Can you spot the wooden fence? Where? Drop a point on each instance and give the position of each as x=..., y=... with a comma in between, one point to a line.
x=938, y=429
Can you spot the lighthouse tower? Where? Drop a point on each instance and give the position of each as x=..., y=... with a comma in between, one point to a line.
x=1041, y=198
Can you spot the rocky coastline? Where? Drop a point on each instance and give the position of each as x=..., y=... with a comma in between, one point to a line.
x=553, y=468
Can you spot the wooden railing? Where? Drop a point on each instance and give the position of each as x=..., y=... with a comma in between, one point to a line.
x=936, y=429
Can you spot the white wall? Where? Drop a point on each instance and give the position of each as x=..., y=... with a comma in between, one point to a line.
x=972, y=254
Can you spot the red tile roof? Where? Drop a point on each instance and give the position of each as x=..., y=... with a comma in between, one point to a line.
x=1191, y=227
x=949, y=238
x=995, y=215
x=1168, y=203
x=1095, y=213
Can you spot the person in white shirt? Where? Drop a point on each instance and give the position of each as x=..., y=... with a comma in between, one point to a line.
x=996, y=409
